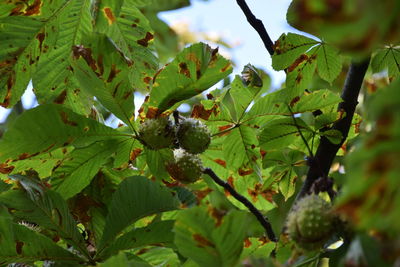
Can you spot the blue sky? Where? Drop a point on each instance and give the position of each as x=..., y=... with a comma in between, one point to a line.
x=224, y=17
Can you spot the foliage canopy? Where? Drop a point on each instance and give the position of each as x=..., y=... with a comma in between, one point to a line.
x=75, y=191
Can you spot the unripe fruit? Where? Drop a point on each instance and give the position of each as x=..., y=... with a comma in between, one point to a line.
x=193, y=136
x=157, y=133
x=186, y=168
x=310, y=223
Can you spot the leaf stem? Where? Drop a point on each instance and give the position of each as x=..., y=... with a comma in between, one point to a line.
x=226, y=130
x=257, y=25
x=261, y=218
x=301, y=134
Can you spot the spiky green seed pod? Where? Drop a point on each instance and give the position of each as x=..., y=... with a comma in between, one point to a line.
x=193, y=136
x=186, y=168
x=157, y=133
x=310, y=223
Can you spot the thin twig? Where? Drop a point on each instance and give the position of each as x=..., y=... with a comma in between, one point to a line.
x=326, y=151
x=301, y=134
x=257, y=25
x=263, y=220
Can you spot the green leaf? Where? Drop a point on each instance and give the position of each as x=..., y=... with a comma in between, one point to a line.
x=251, y=187
x=45, y=208
x=161, y=5
x=19, y=48
x=283, y=132
x=329, y=63
x=387, y=58
x=277, y=103
x=334, y=136
x=301, y=72
x=130, y=31
x=135, y=198
x=156, y=160
x=159, y=256
x=257, y=248
x=44, y=164
x=20, y=244
x=31, y=135
x=4, y=186
x=118, y=260
x=283, y=171
x=288, y=48
x=240, y=147
x=200, y=238
x=54, y=80
x=242, y=96
x=194, y=70
x=300, y=56
x=80, y=166
x=155, y=233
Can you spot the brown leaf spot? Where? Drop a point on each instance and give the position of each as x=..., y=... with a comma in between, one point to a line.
x=299, y=77
x=268, y=194
x=10, y=84
x=230, y=182
x=247, y=243
x=147, y=80
x=202, y=241
x=5, y=168
x=263, y=240
x=263, y=153
x=220, y=162
x=113, y=73
x=16, y=11
x=26, y=156
x=217, y=214
x=253, y=194
x=145, y=41
x=243, y=172
x=193, y=57
x=125, y=96
x=33, y=9
x=109, y=15
x=200, y=112
x=223, y=128
x=200, y=194
x=297, y=62
x=226, y=67
x=183, y=69
x=18, y=247
x=40, y=37
x=64, y=118
x=135, y=153
x=82, y=207
x=152, y=113
x=294, y=101
x=60, y=99
x=86, y=53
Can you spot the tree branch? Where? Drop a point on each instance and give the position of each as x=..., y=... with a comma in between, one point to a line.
x=263, y=220
x=257, y=25
x=326, y=151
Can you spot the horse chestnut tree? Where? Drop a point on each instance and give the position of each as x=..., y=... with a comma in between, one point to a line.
x=146, y=190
